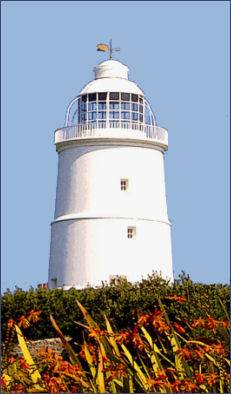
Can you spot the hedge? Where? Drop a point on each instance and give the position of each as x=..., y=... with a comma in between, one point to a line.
x=120, y=300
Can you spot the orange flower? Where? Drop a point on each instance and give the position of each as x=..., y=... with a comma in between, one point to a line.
x=198, y=323
x=122, y=337
x=161, y=374
x=188, y=386
x=23, y=322
x=211, y=323
x=95, y=332
x=225, y=324
x=185, y=353
x=23, y=364
x=218, y=348
x=34, y=316
x=212, y=378
x=12, y=360
x=199, y=353
x=144, y=319
x=174, y=297
x=159, y=322
x=176, y=386
x=199, y=378
x=179, y=328
x=10, y=323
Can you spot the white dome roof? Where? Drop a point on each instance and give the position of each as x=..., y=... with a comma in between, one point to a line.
x=111, y=76
x=111, y=69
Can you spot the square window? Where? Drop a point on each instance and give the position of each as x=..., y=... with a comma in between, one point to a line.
x=101, y=115
x=125, y=96
x=101, y=106
x=84, y=98
x=114, y=96
x=92, y=97
x=125, y=106
x=134, y=107
x=135, y=97
x=125, y=115
x=114, y=105
x=102, y=96
x=114, y=115
x=141, y=118
x=134, y=115
x=131, y=232
x=124, y=184
x=92, y=106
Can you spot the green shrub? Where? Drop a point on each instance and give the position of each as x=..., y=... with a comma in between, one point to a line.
x=121, y=301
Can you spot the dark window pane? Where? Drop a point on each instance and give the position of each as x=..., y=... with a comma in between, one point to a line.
x=102, y=96
x=125, y=115
x=141, y=108
x=114, y=96
x=125, y=96
x=134, y=107
x=101, y=106
x=83, y=106
x=84, y=98
x=114, y=115
x=125, y=105
x=90, y=116
x=92, y=106
x=141, y=118
x=101, y=115
x=134, y=97
x=134, y=116
x=83, y=117
x=114, y=105
x=92, y=97
x=94, y=115
x=141, y=100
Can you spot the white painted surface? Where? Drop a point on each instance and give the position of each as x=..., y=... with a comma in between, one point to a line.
x=91, y=250
x=111, y=69
x=94, y=245
x=89, y=240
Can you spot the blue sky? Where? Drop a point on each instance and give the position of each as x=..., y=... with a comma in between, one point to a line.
x=178, y=53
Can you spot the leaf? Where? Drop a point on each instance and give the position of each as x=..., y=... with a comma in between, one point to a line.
x=136, y=367
x=100, y=376
x=110, y=338
x=89, y=359
x=73, y=357
x=34, y=373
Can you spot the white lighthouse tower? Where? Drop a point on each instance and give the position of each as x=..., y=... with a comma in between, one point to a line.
x=110, y=213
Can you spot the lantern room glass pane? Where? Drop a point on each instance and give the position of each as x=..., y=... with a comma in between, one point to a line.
x=102, y=96
x=92, y=97
x=125, y=106
x=114, y=115
x=125, y=115
x=101, y=106
x=125, y=96
x=114, y=96
x=135, y=97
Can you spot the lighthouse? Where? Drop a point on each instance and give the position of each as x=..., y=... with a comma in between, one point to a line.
x=110, y=212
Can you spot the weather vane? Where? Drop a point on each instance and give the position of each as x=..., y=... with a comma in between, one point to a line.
x=107, y=48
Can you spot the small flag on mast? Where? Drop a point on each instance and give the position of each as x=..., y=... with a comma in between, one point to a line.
x=102, y=47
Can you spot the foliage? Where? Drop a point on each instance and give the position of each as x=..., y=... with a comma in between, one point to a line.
x=120, y=300
x=157, y=355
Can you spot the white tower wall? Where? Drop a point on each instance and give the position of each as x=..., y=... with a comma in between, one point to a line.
x=89, y=233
